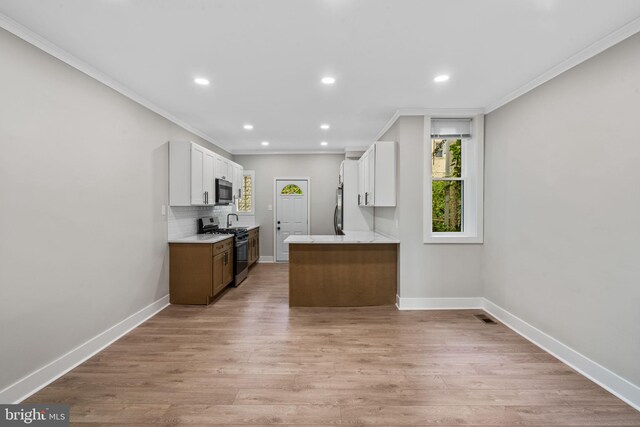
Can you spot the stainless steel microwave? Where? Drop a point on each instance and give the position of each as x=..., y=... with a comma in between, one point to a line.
x=224, y=192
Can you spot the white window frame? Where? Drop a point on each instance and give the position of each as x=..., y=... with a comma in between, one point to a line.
x=472, y=174
x=252, y=174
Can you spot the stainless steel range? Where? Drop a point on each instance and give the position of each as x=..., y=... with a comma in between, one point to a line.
x=241, y=240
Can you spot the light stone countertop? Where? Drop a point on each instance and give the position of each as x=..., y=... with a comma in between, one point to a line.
x=202, y=238
x=350, y=237
x=210, y=238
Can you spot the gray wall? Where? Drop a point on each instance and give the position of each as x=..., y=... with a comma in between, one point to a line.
x=83, y=175
x=562, y=204
x=323, y=169
x=426, y=271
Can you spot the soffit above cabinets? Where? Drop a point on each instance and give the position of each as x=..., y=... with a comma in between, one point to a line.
x=265, y=59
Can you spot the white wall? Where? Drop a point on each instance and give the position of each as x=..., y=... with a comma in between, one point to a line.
x=562, y=205
x=83, y=175
x=323, y=169
x=426, y=271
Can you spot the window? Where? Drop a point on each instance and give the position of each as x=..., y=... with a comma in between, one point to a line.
x=447, y=185
x=247, y=201
x=291, y=189
x=453, y=179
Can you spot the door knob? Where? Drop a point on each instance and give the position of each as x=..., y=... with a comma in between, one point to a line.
x=278, y=222
x=278, y=228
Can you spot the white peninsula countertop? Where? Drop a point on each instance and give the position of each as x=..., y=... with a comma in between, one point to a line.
x=202, y=238
x=350, y=237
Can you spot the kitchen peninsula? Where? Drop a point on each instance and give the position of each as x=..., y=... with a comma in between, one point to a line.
x=356, y=269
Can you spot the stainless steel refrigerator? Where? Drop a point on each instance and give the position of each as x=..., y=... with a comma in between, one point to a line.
x=338, y=214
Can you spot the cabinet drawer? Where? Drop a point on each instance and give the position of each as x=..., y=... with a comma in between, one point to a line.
x=222, y=246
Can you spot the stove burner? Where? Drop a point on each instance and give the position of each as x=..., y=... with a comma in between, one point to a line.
x=211, y=225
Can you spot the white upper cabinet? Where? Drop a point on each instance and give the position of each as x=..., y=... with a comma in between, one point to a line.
x=202, y=188
x=208, y=181
x=224, y=169
x=232, y=172
x=197, y=174
x=377, y=175
x=190, y=174
x=363, y=178
x=193, y=171
x=238, y=177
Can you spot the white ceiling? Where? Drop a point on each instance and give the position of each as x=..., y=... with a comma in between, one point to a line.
x=265, y=58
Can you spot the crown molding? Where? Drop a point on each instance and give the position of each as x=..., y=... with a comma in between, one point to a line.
x=442, y=112
x=590, y=51
x=57, y=52
x=390, y=123
x=282, y=152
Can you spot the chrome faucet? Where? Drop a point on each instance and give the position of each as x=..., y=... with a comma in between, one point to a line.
x=229, y=220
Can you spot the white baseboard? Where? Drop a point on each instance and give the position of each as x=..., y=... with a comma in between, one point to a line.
x=438, y=303
x=615, y=384
x=265, y=259
x=40, y=378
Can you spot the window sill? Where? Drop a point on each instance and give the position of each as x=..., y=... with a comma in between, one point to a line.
x=446, y=238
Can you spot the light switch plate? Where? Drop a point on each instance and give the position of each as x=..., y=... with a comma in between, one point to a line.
x=270, y=207
x=163, y=210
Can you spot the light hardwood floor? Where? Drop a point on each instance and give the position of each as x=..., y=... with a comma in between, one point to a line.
x=250, y=359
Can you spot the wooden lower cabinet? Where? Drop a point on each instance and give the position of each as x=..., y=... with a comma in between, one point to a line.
x=254, y=245
x=342, y=275
x=227, y=270
x=198, y=272
x=218, y=274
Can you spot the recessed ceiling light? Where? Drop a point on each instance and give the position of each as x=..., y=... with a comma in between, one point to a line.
x=248, y=126
x=324, y=126
x=328, y=80
x=441, y=78
x=265, y=143
x=324, y=143
x=201, y=81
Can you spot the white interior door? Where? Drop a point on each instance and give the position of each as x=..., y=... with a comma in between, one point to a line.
x=292, y=213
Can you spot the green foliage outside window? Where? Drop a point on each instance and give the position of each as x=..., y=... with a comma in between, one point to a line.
x=447, y=195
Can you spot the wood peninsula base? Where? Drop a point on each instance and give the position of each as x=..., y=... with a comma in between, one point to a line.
x=342, y=275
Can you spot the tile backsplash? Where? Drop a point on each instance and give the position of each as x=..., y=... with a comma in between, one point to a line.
x=182, y=220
